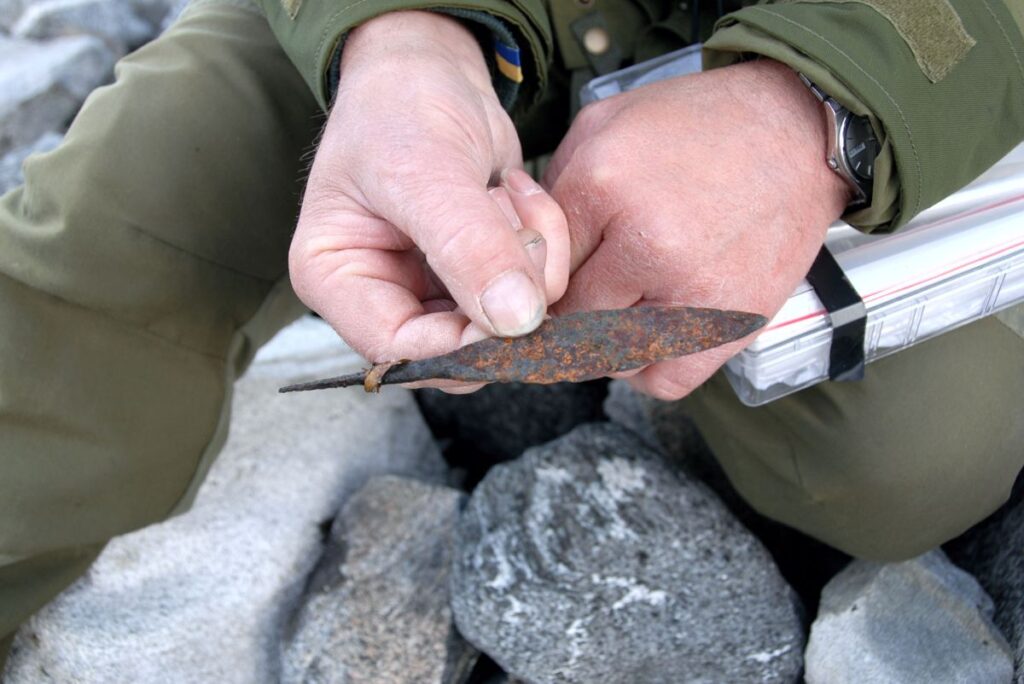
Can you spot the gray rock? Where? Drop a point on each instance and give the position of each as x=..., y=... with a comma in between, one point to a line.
x=205, y=597
x=115, y=23
x=42, y=85
x=10, y=10
x=377, y=604
x=10, y=164
x=994, y=553
x=171, y=13
x=588, y=560
x=806, y=563
x=923, y=620
x=503, y=420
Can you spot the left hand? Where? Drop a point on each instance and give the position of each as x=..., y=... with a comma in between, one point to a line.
x=706, y=190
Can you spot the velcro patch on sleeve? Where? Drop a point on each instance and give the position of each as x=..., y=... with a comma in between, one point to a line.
x=932, y=30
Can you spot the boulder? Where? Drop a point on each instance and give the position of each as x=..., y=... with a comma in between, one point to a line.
x=113, y=22
x=501, y=421
x=42, y=85
x=589, y=560
x=924, y=620
x=206, y=596
x=806, y=563
x=994, y=553
x=376, y=609
x=10, y=164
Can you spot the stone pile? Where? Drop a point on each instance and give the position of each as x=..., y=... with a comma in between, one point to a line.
x=572, y=533
x=332, y=542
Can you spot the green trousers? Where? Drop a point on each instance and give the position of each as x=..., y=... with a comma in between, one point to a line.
x=144, y=262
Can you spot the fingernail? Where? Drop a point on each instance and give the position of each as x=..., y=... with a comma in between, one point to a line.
x=519, y=181
x=512, y=304
x=504, y=202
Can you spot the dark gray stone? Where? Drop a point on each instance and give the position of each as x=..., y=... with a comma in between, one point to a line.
x=10, y=164
x=42, y=85
x=588, y=560
x=806, y=563
x=994, y=553
x=923, y=620
x=376, y=609
x=503, y=420
x=114, y=22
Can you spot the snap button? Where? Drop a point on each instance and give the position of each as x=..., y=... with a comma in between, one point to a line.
x=596, y=40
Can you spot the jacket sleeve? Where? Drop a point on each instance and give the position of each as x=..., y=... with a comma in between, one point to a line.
x=310, y=31
x=941, y=80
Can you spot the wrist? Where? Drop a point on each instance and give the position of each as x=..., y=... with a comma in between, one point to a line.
x=409, y=40
x=801, y=119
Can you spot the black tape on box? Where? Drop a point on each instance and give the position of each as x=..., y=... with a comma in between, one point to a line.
x=846, y=313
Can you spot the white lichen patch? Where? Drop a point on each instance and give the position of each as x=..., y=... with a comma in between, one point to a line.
x=552, y=475
x=635, y=592
x=764, y=657
x=621, y=477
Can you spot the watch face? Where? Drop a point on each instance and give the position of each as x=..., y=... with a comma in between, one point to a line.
x=861, y=147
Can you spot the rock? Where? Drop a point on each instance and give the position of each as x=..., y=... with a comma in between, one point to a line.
x=10, y=164
x=205, y=597
x=589, y=560
x=994, y=553
x=172, y=11
x=10, y=10
x=502, y=420
x=662, y=424
x=115, y=23
x=377, y=604
x=42, y=85
x=806, y=563
x=923, y=620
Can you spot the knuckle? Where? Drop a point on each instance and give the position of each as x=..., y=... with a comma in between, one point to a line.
x=666, y=387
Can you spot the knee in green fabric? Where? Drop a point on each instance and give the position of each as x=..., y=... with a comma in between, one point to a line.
x=927, y=445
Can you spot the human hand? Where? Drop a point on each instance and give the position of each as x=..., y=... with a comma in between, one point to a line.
x=402, y=245
x=706, y=190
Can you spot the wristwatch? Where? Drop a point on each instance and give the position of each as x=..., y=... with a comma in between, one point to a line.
x=852, y=146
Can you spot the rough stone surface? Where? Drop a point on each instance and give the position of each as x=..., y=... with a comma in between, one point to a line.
x=43, y=84
x=171, y=11
x=10, y=10
x=588, y=560
x=923, y=620
x=502, y=420
x=376, y=608
x=805, y=563
x=660, y=423
x=115, y=23
x=994, y=553
x=206, y=596
x=10, y=164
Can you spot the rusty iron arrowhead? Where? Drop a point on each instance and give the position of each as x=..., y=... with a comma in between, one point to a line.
x=573, y=348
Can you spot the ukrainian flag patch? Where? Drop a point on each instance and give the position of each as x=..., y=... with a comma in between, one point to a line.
x=507, y=59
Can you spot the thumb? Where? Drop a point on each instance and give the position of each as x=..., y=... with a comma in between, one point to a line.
x=473, y=248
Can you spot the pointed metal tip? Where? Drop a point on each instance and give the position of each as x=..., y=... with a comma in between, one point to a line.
x=327, y=383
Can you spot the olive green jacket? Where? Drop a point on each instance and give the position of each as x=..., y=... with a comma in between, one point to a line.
x=941, y=80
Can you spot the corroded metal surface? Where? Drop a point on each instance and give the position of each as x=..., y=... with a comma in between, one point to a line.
x=572, y=348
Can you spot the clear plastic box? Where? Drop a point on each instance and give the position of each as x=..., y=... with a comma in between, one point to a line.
x=955, y=263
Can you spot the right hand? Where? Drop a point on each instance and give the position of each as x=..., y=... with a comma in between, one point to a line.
x=403, y=243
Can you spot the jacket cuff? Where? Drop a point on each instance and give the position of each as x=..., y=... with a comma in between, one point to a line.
x=501, y=51
x=312, y=34
x=871, y=65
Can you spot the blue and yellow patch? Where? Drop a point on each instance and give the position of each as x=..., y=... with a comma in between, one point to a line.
x=507, y=59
